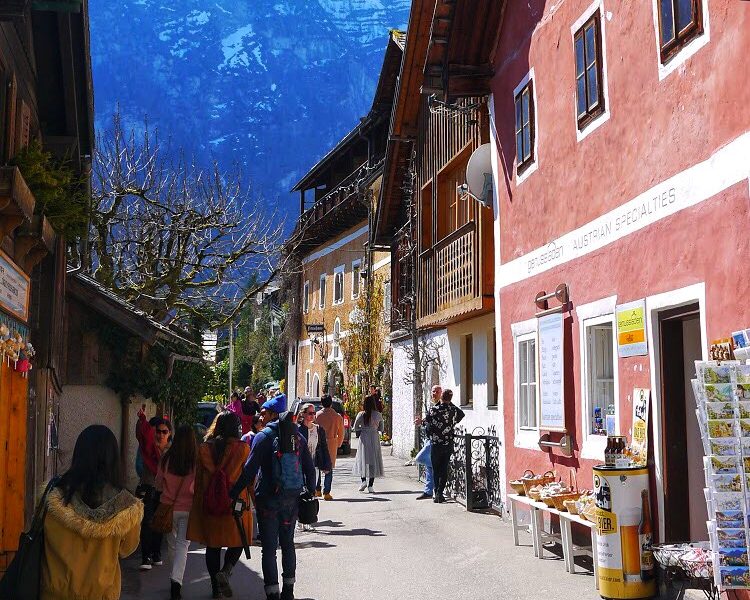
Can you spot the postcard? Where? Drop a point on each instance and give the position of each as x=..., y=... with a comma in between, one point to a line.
x=727, y=483
x=721, y=392
x=739, y=339
x=730, y=519
x=732, y=501
x=714, y=371
x=742, y=392
x=721, y=428
x=720, y=410
x=743, y=373
x=745, y=427
x=725, y=465
x=732, y=577
x=726, y=447
x=733, y=557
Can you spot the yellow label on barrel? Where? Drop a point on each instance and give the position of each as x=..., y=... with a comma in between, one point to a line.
x=606, y=522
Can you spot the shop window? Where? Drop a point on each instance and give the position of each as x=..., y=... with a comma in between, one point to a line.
x=467, y=370
x=491, y=368
x=306, y=297
x=587, y=43
x=307, y=383
x=524, y=109
x=338, y=285
x=680, y=21
x=356, y=278
x=322, y=292
x=526, y=388
x=600, y=376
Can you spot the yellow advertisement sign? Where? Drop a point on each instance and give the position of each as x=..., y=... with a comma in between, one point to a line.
x=639, y=445
x=631, y=329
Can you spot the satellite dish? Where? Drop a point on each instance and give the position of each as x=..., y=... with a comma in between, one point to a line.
x=479, y=175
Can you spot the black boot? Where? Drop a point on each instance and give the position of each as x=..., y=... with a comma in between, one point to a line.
x=274, y=596
x=222, y=580
x=287, y=592
x=175, y=592
x=215, y=591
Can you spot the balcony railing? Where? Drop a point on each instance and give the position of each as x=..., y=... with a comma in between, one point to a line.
x=449, y=272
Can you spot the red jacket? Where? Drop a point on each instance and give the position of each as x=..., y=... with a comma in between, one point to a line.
x=144, y=433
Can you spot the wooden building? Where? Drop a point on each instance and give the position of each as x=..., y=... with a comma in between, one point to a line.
x=441, y=238
x=333, y=244
x=45, y=96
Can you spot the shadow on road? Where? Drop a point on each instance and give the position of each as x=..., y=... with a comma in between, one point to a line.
x=368, y=499
x=354, y=532
x=398, y=492
x=312, y=544
x=329, y=524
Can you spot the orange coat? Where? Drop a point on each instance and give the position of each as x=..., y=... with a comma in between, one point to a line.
x=211, y=531
x=333, y=424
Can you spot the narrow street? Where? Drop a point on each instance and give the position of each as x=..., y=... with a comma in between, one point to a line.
x=389, y=545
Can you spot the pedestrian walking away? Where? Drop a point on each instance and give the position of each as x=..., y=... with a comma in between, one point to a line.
x=92, y=522
x=175, y=479
x=281, y=465
x=317, y=443
x=333, y=424
x=424, y=456
x=211, y=523
x=440, y=422
x=368, y=463
x=153, y=440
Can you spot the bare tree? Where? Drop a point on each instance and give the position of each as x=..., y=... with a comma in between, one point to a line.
x=175, y=238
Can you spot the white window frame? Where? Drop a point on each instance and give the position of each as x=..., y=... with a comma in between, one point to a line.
x=338, y=272
x=307, y=382
x=315, y=383
x=335, y=339
x=688, y=50
x=322, y=285
x=526, y=437
x=306, y=297
x=596, y=313
x=604, y=117
x=356, y=278
x=527, y=171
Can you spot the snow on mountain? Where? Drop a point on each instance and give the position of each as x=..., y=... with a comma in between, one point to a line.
x=268, y=84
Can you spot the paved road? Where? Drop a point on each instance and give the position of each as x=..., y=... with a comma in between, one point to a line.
x=390, y=546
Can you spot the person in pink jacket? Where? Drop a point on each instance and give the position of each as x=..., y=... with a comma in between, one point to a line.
x=176, y=481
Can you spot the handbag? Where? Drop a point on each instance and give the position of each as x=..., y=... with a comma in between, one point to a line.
x=308, y=507
x=21, y=580
x=163, y=519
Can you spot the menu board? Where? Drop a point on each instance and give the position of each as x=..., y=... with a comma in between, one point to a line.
x=14, y=288
x=550, y=331
x=722, y=393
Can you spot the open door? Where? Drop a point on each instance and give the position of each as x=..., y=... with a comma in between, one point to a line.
x=685, y=512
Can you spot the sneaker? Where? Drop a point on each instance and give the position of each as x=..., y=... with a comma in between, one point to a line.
x=318, y=494
x=424, y=496
x=370, y=490
x=327, y=496
x=156, y=560
x=145, y=564
x=222, y=583
x=362, y=487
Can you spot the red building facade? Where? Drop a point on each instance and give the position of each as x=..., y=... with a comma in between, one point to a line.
x=622, y=157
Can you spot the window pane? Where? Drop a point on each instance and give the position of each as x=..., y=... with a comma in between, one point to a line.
x=532, y=361
x=518, y=113
x=522, y=363
x=667, y=21
x=590, y=45
x=580, y=62
x=684, y=13
x=526, y=106
x=581, y=95
x=526, y=142
x=519, y=147
x=532, y=405
x=593, y=85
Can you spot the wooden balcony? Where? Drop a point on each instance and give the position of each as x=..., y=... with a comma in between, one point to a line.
x=451, y=286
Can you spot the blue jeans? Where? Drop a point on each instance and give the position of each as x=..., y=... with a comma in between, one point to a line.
x=327, y=481
x=276, y=521
x=429, y=481
x=424, y=458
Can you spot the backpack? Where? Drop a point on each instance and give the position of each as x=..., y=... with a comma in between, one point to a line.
x=216, y=499
x=286, y=473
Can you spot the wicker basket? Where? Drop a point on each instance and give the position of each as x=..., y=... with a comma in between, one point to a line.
x=571, y=506
x=534, y=494
x=560, y=499
x=548, y=477
x=549, y=501
x=517, y=484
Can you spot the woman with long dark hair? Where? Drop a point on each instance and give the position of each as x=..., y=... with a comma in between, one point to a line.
x=212, y=525
x=175, y=479
x=92, y=522
x=369, y=461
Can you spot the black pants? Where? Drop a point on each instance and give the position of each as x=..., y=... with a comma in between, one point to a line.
x=441, y=459
x=150, y=539
x=213, y=560
x=371, y=482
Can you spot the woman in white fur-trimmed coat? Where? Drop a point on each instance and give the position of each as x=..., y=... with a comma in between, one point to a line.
x=91, y=523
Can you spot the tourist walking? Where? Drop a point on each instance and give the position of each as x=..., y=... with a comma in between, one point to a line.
x=333, y=424
x=153, y=441
x=440, y=422
x=175, y=479
x=368, y=463
x=317, y=443
x=220, y=461
x=281, y=465
x=92, y=522
x=424, y=457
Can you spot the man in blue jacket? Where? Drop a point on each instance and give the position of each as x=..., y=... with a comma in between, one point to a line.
x=276, y=509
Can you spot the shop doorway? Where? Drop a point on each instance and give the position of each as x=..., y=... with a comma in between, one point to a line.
x=680, y=346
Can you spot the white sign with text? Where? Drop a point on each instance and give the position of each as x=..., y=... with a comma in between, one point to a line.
x=551, y=393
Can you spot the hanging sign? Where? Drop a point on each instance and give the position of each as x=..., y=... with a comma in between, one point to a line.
x=550, y=331
x=639, y=443
x=631, y=329
x=315, y=328
x=14, y=288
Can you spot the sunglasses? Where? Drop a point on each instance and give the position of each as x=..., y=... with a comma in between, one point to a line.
x=310, y=413
x=162, y=432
